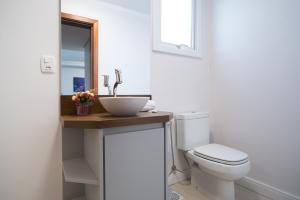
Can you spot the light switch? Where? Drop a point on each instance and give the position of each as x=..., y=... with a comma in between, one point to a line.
x=47, y=64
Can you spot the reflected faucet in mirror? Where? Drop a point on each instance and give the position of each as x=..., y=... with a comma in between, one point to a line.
x=118, y=81
x=106, y=84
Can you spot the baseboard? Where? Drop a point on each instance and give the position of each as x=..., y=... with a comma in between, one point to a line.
x=242, y=193
x=261, y=190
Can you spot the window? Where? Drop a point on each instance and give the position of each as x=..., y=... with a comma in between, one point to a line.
x=176, y=22
x=176, y=27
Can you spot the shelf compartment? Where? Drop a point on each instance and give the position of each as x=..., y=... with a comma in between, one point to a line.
x=78, y=171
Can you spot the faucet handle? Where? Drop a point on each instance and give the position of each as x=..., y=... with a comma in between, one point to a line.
x=106, y=80
x=118, y=76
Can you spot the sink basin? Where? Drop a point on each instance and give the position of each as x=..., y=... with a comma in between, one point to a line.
x=123, y=106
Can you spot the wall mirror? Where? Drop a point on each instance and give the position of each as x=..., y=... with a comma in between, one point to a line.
x=98, y=36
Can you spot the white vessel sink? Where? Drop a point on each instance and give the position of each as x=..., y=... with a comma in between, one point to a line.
x=123, y=106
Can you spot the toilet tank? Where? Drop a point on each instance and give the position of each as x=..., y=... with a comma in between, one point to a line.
x=192, y=130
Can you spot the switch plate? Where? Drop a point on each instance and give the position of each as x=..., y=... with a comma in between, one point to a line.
x=48, y=64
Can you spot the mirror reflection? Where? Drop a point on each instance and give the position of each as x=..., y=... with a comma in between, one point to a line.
x=122, y=42
x=75, y=58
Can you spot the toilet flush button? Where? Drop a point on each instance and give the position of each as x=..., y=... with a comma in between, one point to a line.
x=47, y=64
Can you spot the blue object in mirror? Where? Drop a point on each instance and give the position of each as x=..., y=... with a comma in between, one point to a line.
x=78, y=84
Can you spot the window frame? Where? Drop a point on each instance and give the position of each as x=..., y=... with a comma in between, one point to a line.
x=160, y=46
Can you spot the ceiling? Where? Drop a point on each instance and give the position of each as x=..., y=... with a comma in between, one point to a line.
x=142, y=6
x=73, y=37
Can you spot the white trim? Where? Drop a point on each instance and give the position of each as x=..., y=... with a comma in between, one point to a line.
x=242, y=193
x=68, y=63
x=265, y=190
x=157, y=45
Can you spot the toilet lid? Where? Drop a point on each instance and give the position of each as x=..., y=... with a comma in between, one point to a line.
x=221, y=154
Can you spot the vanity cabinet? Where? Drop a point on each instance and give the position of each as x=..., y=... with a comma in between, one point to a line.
x=115, y=162
x=134, y=165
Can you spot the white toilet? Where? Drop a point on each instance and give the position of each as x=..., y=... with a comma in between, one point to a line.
x=215, y=167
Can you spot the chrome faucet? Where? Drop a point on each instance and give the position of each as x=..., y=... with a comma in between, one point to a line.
x=118, y=81
x=106, y=84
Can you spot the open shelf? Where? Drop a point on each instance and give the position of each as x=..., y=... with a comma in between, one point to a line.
x=79, y=198
x=78, y=171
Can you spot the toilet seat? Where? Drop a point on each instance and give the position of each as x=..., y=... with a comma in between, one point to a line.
x=221, y=154
x=220, y=170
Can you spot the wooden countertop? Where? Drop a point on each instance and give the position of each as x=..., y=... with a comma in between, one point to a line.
x=106, y=120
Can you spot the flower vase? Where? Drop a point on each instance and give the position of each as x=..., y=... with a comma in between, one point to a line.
x=82, y=109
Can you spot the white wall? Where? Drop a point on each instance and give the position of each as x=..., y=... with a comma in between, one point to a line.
x=124, y=42
x=181, y=84
x=30, y=151
x=255, y=86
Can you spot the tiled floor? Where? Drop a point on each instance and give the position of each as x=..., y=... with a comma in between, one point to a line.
x=187, y=191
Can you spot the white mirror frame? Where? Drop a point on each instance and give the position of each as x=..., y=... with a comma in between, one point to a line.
x=158, y=45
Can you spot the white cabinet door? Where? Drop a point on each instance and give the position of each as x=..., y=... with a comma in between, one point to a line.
x=135, y=165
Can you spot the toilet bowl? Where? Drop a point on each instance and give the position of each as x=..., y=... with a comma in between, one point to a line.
x=214, y=167
x=215, y=175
